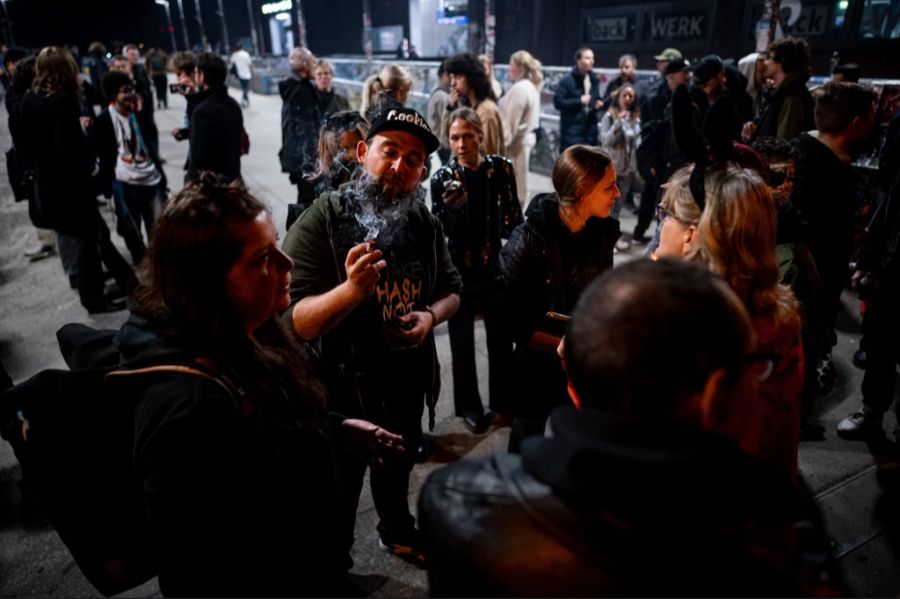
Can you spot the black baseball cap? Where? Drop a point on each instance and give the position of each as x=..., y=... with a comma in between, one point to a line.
x=707, y=68
x=677, y=65
x=404, y=119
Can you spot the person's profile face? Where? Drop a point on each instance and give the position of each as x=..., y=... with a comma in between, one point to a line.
x=661, y=66
x=324, y=77
x=585, y=62
x=676, y=237
x=396, y=159
x=459, y=83
x=770, y=67
x=599, y=199
x=515, y=71
x=348, y=143
x=681, y=77
x=258, y=282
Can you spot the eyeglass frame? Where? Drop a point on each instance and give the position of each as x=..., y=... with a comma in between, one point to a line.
x=662, y=214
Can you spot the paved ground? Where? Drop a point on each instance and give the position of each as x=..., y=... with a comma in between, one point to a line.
x=855, y=483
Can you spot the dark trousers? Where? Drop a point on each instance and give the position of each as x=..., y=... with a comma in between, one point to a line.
x=882, y=330
x=135, y=204
x=95, y=249
x=466, y=398
x=398, y=410
x=647, y=208
x=162, y=90
x=245, y=89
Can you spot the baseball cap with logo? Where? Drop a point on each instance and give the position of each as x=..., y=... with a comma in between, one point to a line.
x=678, y=64
x=404, y=119
x=668, y=54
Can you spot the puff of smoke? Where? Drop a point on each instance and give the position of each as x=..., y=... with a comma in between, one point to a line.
x=379, y=210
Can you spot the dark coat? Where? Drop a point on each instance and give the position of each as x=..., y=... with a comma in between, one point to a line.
x=788, y=112
x=216, y=126
x=331, y=102
x=240, y=493
x=63, y=160
x=546, y=267
x=472, y=237
x=301, y=117
x=577, y=123
x=622, y=508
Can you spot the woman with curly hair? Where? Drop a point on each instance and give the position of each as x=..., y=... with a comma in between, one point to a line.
x=470, y=86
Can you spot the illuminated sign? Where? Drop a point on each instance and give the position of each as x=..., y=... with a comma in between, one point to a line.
x=273, y=7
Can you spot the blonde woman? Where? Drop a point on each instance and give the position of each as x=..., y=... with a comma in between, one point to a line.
x=736, y=240
x=679, y=217
x=520, y=110
x=392, y=83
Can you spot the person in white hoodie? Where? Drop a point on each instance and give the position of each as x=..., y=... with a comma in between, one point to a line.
x=521, y=113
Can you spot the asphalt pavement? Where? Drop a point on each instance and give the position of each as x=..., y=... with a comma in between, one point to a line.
x=855, y=483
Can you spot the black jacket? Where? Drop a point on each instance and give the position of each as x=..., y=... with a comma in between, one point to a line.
x=545, y=267
x=475, y=236
x=615, y=507
x=240, y=496
x=825, y=193
x=216, y=126
x=577, y=122
x=63, y=160
x=791, y=90
x=331, y=102
x=301, y=117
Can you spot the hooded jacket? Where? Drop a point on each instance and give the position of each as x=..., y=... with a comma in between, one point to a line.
x=235, y=507
x=611, y=506
x=301, y=117
x=545, y=267
x=788, y=112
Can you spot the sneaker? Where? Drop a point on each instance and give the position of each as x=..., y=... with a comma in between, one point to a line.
x=623, y=245
x=407, y=546
x=40, y=253
x=861, y=425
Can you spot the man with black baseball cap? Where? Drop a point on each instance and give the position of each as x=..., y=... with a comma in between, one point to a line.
x=709, y=81
x=372, y=277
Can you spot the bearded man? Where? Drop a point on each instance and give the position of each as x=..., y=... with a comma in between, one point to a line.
x=372, y=277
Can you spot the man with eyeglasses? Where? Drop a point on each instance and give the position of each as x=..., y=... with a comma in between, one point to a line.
x=655, y=470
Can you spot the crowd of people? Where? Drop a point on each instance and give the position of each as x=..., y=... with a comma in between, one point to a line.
x=693, y=370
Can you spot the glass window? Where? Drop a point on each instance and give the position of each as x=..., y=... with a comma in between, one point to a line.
x=880, y=20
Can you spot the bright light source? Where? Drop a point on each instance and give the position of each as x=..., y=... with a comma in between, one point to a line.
x=275, y=7
x=283, y=16
x=843, y=4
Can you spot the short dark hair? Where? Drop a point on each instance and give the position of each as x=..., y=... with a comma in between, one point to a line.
x=792, y=53
x=23, y=76
x=184, y=62
x=113, y=81
x=442, y=68
x=849, y=71
x=213, y=68
x=646, y=335
x=840, y=103
x=14, y=55
x=580, y=50
x=471, y=68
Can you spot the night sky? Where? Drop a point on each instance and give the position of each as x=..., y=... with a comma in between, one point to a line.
x=38, y=23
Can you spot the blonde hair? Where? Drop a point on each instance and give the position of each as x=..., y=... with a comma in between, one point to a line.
x=677, y=198
x=736, y=240
x=56, y=71
x=530, y=65
x=393, y=80
x=302, y=59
